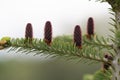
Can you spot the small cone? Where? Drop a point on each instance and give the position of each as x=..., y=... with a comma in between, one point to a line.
x=107, y=65
x=90, y=28
x=29, y=32
x=78, y=36
x=48, y=33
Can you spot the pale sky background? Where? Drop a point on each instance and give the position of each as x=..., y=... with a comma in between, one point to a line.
x=63, y=14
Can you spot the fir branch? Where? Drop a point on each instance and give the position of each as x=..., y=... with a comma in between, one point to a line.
x=98, y=42
x=58, y=48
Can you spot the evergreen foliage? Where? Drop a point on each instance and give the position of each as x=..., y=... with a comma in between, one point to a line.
x=102, y=75
x=87, y=48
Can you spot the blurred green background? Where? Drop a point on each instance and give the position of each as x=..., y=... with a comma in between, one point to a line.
x=24, y=68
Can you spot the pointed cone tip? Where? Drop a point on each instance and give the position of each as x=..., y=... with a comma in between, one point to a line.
x=77, y=27
x=28, y=25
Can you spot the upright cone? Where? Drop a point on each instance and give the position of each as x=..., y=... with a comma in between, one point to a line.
x=90, y=28
x=48, y=33
x=29, y=32
x=78, y=36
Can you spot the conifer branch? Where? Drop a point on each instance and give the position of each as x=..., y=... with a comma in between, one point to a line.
x=98, y=42
x=57, y=48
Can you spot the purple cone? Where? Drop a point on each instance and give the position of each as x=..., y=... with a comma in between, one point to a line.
x=29, y=32
x=90, y=27
x=48, y=33
x=78, y=36
x=107, y=65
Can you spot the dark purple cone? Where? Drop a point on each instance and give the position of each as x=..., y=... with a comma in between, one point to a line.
x=107, y=65
x=78, y=36
x=29, y=32
x=48, y=33
x=90, y=27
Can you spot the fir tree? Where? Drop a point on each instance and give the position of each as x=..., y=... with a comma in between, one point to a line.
x=88, y=48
